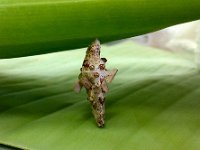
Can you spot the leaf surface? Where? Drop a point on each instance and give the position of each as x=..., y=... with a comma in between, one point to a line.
x=30, y=27
x=153, y=102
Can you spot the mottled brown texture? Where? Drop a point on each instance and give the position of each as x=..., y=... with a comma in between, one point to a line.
x=94, y=77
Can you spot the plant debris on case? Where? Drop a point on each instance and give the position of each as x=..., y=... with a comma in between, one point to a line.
x=94, y=77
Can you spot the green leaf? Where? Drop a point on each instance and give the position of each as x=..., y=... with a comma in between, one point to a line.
x=29, y=27
x=153, y=102
x=6, y=147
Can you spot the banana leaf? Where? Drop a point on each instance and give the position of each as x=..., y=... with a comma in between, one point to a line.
x=30, y=27
x=153, y=102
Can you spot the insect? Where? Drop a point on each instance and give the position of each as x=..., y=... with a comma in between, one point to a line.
x=94, y=78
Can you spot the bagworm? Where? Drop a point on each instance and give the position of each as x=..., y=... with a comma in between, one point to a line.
x=94, y=78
